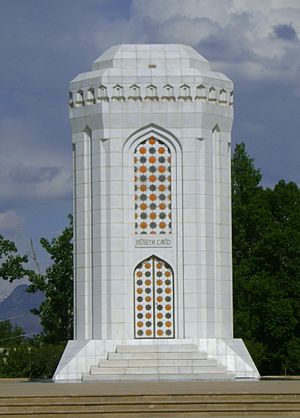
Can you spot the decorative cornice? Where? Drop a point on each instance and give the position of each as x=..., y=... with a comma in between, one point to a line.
x=118, y=93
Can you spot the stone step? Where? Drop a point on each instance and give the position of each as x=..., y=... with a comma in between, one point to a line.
x=159, y=348
x=199, y=355
x=158, y=377
x=129, y=400
x=156, y=370
x=157, y=362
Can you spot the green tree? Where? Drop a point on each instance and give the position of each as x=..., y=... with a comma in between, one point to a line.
x=10, y=335
x=44, y=360
x=22, y=357
x=248, y=223
x=279, y=257
x=56, y=311
x=11, y=262
x=12, y=360
x=266, y=269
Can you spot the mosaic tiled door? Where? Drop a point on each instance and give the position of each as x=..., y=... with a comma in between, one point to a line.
x=154, y=299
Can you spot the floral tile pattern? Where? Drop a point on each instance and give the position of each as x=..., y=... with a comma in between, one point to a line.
x=152, y=186
x=154, y=299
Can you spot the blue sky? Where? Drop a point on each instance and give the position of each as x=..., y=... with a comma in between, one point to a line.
x=44, y=44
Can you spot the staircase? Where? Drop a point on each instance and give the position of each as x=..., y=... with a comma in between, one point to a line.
x=156, y=363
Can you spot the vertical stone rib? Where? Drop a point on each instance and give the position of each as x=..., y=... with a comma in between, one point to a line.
x=88, y=232
x=217, y=219
x=75, y=298
x=201, y=265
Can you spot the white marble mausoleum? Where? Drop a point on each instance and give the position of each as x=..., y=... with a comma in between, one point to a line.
x=151, y=128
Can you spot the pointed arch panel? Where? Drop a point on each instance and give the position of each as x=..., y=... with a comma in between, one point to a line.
x=154, y=299
x=152, y=187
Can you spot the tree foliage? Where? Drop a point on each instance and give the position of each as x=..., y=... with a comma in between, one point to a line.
x=10, y=335
x=23, y=357
x=266, y=267
x=32, y=361
x=56, y=311
x=11, y=262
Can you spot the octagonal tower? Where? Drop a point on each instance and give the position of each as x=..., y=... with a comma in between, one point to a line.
x=151, y=129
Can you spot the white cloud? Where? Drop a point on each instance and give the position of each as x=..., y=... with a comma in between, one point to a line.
x=248, y=38
x=238, y=30
x=162, y=11
x=10, y=221
x=188, y=31
x=31, y=167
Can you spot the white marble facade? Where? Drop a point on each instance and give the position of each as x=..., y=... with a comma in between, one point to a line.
x=159, y=112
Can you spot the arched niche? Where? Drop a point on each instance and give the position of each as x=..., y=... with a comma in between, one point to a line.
x=154, y=314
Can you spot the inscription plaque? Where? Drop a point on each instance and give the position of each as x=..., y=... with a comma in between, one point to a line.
x=153, y=242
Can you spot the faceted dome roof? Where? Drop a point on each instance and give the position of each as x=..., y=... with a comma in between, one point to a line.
x=156, y=63
x=151, y=54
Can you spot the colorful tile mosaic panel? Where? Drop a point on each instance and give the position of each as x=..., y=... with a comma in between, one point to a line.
x=152, y=187
x=154, y=299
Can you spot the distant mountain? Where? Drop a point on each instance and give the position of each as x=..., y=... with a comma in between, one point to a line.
x=16, y=307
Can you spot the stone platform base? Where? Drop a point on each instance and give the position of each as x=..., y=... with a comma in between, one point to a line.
x=204, y=359
x=151, y=399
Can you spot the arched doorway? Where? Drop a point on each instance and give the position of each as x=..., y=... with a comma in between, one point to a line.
x=154, y=299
